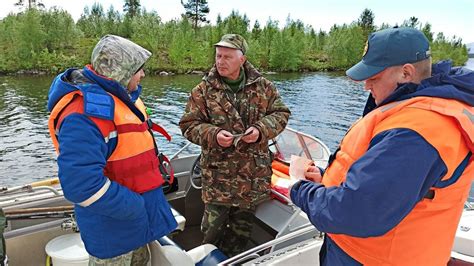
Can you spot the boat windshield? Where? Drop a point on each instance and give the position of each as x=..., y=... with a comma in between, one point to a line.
x=291, y=142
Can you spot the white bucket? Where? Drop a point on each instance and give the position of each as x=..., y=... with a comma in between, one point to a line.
x=67, y=250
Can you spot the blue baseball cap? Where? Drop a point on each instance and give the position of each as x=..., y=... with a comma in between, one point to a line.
x=390, y=47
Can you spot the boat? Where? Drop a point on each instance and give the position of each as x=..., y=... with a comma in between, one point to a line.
x=41, y=229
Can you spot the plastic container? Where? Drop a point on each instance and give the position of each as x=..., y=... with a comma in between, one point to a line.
x=67, y=250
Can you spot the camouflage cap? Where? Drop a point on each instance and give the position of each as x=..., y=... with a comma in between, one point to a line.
x=234, y=41
x=118, y=58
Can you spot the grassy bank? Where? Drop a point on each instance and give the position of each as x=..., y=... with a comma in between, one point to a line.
x=49, y=41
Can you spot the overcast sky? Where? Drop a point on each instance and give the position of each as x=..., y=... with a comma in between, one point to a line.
x=450, y=17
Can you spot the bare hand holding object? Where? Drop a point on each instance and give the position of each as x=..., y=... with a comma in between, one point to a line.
x=224, y=138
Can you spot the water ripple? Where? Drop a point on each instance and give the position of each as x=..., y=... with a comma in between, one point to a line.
x=322, y=104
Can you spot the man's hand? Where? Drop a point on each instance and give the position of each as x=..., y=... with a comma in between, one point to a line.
x=251, y=135
x=313, y=174
x=224, y=138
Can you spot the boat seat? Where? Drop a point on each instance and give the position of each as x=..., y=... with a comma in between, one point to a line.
x=166, y=241
x=179, y=219
x=166, y=252
x=168, y=255
x=206, y=255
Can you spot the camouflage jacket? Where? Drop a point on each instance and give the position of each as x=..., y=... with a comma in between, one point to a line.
x=240, y=174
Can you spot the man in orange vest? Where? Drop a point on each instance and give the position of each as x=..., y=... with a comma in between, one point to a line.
x=107, y=155
x=394, y=190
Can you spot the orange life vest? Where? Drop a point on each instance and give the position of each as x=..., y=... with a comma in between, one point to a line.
x=134, y=162
x=425, y=236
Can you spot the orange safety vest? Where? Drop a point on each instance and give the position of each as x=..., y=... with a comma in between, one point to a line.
x=134, y=162
x=425, y=236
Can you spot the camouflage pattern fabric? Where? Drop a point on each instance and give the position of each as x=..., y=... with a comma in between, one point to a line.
x=228, y=228
x=238, y=175
x=234, y=41
x=3, y=224
x=118, y=58
x=138, y=257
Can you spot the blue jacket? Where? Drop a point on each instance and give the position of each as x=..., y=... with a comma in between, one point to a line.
x=121, y=220
x=392, y=149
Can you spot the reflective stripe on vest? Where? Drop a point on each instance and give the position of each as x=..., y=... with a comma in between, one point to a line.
x=425, y=236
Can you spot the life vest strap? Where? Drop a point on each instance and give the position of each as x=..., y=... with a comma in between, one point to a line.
x=148, y=124
x=159, y=129
x=169, y=177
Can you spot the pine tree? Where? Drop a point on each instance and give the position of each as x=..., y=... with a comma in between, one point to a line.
x=366, y=22
x=426, y=29
x=31, y=3
x=196, y=10
x=132, y=7
x=412, y=22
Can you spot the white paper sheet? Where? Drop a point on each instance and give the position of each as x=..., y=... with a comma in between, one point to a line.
x=299, y=165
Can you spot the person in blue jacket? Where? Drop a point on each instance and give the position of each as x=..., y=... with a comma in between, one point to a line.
x=395, y=183
x=107, y=158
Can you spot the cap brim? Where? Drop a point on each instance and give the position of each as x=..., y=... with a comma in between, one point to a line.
x=226, y=44
x=361, y=71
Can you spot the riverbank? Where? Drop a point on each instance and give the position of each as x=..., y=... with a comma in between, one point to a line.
x=36, y=72
x=40, y=41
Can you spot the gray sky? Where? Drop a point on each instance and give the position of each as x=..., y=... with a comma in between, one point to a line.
x=450, y=17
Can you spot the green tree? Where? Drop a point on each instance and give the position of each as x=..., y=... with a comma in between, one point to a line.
x=443, y=48
x=287, y=48
x=31, y=36
x=146, y=30
x=264, y=44
x=426, y=29
x=31, y=3
x=412, y=22
x=39, y=39
x=217, y=31
x=385, y=26
x=184, y=49
x=131, y=7
x=9, y=60
x=345, y=46
x=313, y=57
x=113, y=21
x=366, y=22
x=256, y=31
x=236, y=23
x=92, y=22
x=322, y=36
x=196, y=10
x=60, y=29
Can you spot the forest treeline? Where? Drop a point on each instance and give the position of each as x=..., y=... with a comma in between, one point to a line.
x=49, y=41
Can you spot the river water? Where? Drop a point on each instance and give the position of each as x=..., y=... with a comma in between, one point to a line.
x=470, y=63
x=322, y=104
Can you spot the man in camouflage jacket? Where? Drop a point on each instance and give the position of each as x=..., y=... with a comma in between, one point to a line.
x=231, y=114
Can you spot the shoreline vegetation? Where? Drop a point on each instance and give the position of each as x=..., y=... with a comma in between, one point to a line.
x=38, y=41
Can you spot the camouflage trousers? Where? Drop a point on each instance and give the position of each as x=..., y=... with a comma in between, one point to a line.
x=228, y=228
x=137, y=257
